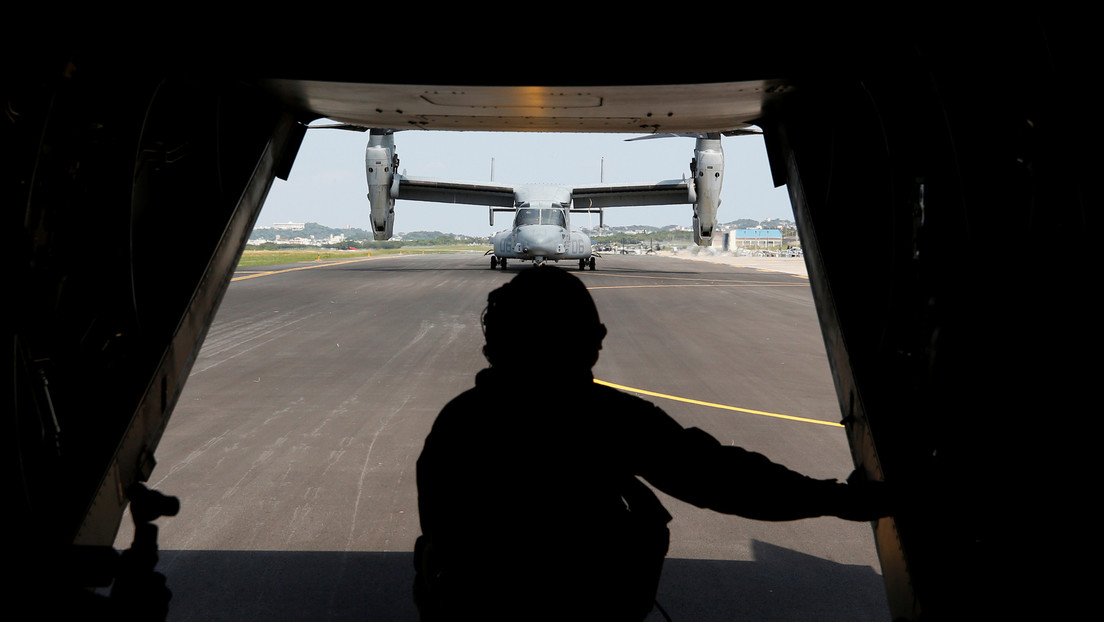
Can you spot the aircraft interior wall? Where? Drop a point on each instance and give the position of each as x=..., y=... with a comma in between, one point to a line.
x=941, y=336
x=100, y=161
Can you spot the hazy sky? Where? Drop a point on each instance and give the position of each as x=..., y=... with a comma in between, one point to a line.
x=327, y=183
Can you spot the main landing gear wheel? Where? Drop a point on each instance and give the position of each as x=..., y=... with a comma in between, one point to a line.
x=494, y=262
x=582, y=264
x=591, y=263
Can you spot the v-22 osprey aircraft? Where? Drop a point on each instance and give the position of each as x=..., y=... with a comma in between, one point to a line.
x=541, y=228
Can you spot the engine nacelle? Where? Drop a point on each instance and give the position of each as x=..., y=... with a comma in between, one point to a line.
x=380, y=164
x=708, y=172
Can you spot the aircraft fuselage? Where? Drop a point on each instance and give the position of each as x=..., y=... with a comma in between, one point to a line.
x=535, y=242
x=541, y=233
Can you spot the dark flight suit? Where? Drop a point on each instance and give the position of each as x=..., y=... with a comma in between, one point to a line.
x=530, y=507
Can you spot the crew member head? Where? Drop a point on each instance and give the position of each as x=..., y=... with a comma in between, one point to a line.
x=545, y=318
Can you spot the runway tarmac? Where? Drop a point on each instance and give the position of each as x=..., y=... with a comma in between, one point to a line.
x=293, y=446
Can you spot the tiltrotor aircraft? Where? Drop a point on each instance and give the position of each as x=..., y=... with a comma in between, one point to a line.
x=541, y=228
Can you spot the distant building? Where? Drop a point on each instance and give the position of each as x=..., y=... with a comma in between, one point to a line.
x=753, y=238
x=297, y=241
x=289, y=226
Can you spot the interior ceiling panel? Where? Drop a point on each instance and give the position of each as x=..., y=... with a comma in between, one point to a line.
x=680, y=108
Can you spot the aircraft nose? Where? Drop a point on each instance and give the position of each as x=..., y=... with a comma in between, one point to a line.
x=543, y=240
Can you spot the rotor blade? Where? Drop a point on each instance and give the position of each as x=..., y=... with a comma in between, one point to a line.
x=649, y=136
x=339, y=126
x=743, y=132
x=736, y=132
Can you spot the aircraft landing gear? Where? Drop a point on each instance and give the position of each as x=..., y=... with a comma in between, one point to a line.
x=494, y=262
x=592, y=263
x=582, y=264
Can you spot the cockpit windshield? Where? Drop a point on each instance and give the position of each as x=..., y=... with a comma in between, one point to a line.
x=540, y=216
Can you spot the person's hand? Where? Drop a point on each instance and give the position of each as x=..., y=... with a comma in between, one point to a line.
x=864, y=499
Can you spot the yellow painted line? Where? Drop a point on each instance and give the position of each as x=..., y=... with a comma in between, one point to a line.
x=310, y=267
x=655, y=277
x=701, y=281
x=699, y=285
x=712, y=405
x=749, y=267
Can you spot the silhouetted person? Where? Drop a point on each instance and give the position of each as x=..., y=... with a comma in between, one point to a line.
x=527, y=486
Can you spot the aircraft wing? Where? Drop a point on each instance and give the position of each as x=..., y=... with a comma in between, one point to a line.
x=447, y=191
x=670, y=192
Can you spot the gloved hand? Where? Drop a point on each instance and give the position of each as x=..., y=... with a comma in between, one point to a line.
x=863, y=499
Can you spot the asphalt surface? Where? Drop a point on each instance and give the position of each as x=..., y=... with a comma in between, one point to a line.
x=293, y=446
